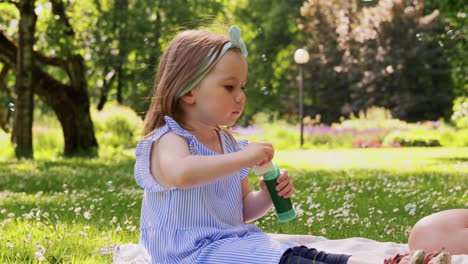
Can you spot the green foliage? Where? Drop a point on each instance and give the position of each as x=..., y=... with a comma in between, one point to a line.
x=6, y=148
x=424, y=136
x=117, y=126
x=47, y=139
x=8, y=18
x=454, y=138
x=270, y=32
x=373, y=118
x=414, y=138
x=453, y=16
x=460, y=112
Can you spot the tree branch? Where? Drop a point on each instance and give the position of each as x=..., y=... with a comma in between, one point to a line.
x=58, y=8
x=8, y=50
x=49, y=60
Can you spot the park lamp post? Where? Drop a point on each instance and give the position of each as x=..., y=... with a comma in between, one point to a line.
x=301, y=57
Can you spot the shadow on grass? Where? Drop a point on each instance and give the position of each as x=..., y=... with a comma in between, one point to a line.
x=54, y=176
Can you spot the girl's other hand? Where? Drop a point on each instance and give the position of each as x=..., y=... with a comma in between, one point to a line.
x=258, y=153
x=285, y=187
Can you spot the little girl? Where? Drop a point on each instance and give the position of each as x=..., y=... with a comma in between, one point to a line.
x=197, y=197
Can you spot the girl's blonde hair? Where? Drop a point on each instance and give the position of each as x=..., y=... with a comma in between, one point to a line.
x=179, y=65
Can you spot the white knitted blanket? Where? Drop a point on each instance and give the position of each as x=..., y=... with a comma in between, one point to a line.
x=367, y=249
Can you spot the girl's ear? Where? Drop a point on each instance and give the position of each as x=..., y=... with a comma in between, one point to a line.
x=188, y=98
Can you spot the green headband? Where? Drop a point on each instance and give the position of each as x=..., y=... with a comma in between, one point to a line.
x=234, y=42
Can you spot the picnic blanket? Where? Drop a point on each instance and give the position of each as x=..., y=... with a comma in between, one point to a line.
x=367, y=249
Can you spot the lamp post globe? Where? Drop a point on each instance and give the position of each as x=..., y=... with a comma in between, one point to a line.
x=301, y=56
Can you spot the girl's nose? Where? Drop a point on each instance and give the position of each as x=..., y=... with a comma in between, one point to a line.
x=240, y=97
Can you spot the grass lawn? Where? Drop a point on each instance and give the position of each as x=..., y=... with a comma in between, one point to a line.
x=64, y=210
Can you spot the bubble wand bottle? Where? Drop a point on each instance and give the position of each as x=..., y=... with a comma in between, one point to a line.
x=283, y=206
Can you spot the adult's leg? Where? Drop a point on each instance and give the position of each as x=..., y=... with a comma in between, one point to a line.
x=446, y=230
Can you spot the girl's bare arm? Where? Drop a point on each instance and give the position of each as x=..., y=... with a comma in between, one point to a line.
x=179, y=168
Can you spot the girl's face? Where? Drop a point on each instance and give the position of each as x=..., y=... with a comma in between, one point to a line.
x=219, y=98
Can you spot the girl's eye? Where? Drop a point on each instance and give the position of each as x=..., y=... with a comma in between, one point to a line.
x=229, y=87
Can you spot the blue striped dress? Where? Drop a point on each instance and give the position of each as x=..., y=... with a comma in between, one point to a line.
x=202, y=224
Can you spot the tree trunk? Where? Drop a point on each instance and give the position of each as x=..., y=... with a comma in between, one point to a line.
x=22, y=126
x=107, y=83
x=122, y=15
x=5, y=116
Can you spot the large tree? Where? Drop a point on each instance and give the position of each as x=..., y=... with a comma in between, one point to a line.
x=68, y=98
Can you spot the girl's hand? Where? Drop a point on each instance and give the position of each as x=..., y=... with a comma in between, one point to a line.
x=285, y=187
x=258, y=153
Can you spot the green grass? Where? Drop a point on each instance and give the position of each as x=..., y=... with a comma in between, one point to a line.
x=67, y=209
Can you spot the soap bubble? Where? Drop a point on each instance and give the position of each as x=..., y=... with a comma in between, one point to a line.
x=451, y=34
x=420, y=36
x=411, y=208
x=110, y=186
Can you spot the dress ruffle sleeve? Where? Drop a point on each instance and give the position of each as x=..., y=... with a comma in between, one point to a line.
x=142, y=167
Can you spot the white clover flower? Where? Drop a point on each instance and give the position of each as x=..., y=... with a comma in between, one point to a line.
x=87, y=215
x=345, y=212
x=40, y=256
x=323, y=231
